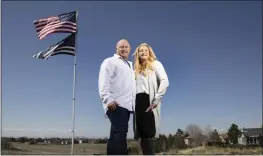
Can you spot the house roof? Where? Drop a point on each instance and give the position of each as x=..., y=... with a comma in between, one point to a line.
x=252, y=131
x=201, y=136
x=223, y=135
x=189, y=137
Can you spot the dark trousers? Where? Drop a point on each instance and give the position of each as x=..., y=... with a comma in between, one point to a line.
x=117, y=143
x=145, y=123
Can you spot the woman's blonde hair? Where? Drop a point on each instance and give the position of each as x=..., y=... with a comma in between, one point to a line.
x=143, y=68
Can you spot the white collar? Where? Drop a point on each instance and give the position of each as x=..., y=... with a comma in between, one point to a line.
x=118, y=56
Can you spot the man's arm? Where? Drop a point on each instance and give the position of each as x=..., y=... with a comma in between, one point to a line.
x=106, y=71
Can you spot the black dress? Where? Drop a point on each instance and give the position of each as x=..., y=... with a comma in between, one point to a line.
x=145, y=123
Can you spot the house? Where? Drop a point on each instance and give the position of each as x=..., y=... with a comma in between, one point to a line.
x=64, y=142
x=223, y=137
x=250, y=136
x=189, y=140
x=200, y=140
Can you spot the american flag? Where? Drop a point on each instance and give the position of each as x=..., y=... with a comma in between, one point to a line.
x=65, y=46
x=63, y=23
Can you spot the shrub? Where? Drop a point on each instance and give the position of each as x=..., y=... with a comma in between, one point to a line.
x=133, y=150
x=6, y=144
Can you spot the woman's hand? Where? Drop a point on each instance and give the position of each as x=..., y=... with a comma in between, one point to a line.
x=151, y=107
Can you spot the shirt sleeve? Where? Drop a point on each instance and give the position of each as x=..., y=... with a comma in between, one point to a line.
x=163, y=79
x=106, y=71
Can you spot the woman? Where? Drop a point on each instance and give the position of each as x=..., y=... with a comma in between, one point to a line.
x=151, y=85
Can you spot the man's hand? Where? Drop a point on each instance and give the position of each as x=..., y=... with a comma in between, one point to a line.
x=112, y=106
x=151, y=107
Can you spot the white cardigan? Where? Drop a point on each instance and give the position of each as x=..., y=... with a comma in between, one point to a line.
x=157, y=84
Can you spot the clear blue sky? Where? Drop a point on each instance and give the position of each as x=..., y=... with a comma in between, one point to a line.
x=211, y=51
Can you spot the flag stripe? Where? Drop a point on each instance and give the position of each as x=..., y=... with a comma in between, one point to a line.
x=46, y=29
x=57, y=30
x=51, y=50
x=65, y=52
x=65, y=46
x=54, y=23
x=49, y=23
x=63, y=23
x=45, y=21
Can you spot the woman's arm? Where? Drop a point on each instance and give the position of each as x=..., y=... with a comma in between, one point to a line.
x=164, y=82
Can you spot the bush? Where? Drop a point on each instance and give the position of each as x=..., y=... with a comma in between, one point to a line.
x=133, y=150
x=6, y=144
x=217, y=144
x=179, y=142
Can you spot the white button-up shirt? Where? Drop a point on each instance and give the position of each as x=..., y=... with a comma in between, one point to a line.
x=117, y=83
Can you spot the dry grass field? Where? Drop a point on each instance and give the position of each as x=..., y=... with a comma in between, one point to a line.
x=218, y=150
x=25, y=148
x=90, y=149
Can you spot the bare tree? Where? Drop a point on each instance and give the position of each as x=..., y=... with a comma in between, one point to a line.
x=207, y=131
x=195, y=132
x=215, y=136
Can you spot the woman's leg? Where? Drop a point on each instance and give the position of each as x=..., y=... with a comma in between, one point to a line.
x=145, y=124
x=148, y=133
x=148, y=146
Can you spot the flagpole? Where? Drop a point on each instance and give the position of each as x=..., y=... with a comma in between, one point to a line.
x=74, y=89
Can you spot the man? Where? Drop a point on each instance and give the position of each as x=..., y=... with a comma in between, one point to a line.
x=117, y=90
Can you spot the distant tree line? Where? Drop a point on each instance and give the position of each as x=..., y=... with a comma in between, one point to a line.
x=198, y=137
x=193, y=133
